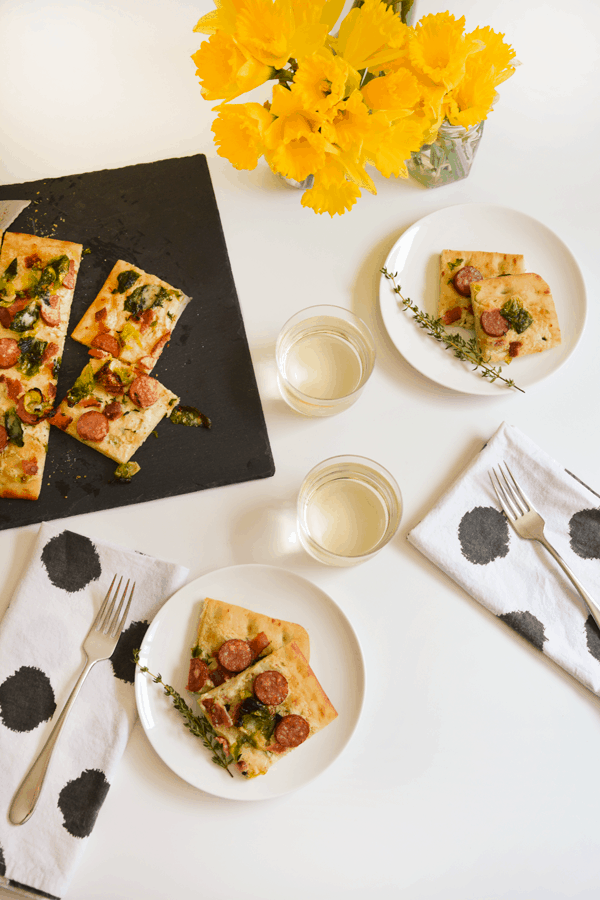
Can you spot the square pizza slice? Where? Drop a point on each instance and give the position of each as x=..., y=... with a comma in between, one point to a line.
x=132, y=318
x=268, y=710
x=458, y=269
x=37, y=282
x=231, y=638
x=113, y=408
x=514, y=316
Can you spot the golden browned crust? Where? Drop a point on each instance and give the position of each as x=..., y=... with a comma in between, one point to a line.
x=219, y=622
x=534, y=295
x=306, y=698
x=141, y=339
x=490, y=264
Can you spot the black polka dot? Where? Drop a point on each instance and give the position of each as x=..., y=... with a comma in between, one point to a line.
x=2, y=862
x=584, y=530
x=592, y=635
x=527, y=626
x=483, y=535
x=26, y=699
x=122, y=659
x=71, y=561
x=80, y=801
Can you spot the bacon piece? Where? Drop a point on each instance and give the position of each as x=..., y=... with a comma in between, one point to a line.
x=89, y=401
x=33, y=260
x=69, y=279
x=197, y=675
x=61, y=420
x=30, y=466
x=452, y=315
x=13, y=386
x=259, y=643
x=146, y=319
x=514, y=347
x=3, y=438
x=217, y=714
x=113, y=410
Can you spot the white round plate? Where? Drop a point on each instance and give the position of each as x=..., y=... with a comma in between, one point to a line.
x=415, y=259
x=335, y=656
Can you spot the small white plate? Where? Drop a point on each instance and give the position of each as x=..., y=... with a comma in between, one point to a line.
x=335, y=656
x=415, y=259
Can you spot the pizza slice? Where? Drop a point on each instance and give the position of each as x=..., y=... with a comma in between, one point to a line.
x=458, y=269
x=132, y=317
x=231, y=638
x=514, y=316
x=268, y=710
x=113, y=408
x=37, y=282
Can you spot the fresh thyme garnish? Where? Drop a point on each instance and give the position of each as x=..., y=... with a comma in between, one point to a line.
x=197, y=725
x=468, y=351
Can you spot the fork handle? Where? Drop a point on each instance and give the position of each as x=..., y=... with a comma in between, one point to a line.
x=26, y=797
x=591, y=604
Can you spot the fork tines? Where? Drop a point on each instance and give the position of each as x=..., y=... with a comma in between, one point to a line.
x=510, y=496
x=110, y=620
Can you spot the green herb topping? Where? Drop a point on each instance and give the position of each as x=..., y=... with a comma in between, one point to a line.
x=145, y=297
x=82, y=388
x=125, y=472
x=517, y=317
x=468, y=351
x=197, y=725
x=25, y=319
x=14, y=428
x=125, y=280
x=189, y=415
x=453, y=265
x=32, y=354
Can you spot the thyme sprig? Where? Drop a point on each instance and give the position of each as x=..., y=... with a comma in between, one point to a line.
x=468, y=351
x=197, y=725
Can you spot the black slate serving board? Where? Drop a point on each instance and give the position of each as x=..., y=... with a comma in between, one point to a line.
x=162, y=217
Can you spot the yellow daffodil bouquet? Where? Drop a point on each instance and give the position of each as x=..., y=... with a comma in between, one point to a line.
x=369, y=95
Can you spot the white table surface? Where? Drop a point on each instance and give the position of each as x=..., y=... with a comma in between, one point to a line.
x=472, y=773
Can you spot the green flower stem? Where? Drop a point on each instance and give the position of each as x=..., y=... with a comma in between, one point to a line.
x=467, y=351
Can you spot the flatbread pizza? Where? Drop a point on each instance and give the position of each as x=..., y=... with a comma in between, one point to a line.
x=514, y=316
x=231, y=638
x=113, y=408
x=37, y=282
x=458, y=268
x=267, y=710
x=132, y=318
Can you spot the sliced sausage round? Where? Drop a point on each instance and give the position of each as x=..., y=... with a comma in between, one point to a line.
x=235, y=655
x=270, y=687
x=292, y=731
x=144, y=391
x=3, y=438
x=494, y=323
x=463, y=279
x=197, y=675
x=92, y=426
x=106, y=341
x=9, y=353
x=50, y=315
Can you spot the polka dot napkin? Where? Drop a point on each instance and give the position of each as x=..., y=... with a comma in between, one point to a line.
x=470, y=539
x=40, y=658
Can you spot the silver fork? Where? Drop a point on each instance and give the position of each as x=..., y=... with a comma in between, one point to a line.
x=99, y=643
x=529, y=524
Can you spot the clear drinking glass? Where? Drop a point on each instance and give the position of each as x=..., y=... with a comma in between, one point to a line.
x=349, y=507
x=325, y=355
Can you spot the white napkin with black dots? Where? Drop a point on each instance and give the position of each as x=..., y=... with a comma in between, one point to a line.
x=40, y=659
x=469, y=538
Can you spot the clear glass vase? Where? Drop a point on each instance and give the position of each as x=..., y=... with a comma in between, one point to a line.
x=449, y=158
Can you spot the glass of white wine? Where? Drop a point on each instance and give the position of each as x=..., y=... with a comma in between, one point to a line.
x=349, y=507
x=325, y=355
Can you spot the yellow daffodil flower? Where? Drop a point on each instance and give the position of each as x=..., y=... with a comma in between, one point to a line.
x=349, y=121
x=439, y=49
x=495, y=55
x=225, y=70
x=371, y=35
x=239, y=132
x=331, y=192
x=400, y=91
x=472, y=99
x=294, y=144
x=389, y=144
x=320, y=81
